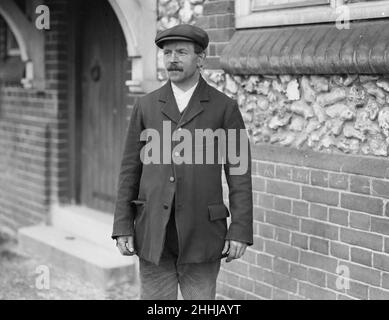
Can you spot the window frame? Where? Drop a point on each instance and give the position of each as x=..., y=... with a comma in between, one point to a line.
x=247, y=18
x=298, y=3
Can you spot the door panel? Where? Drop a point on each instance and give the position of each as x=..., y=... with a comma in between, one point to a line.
x=104, y=66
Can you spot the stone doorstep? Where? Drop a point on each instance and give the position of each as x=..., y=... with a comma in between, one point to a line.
x=88, y=260
x=87, y=223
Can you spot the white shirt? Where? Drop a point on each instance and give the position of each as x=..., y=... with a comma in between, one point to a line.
x=182, y=97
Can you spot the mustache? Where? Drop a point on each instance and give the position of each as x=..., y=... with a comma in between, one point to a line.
x=174, y=68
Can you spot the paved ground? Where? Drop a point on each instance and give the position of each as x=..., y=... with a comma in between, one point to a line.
x=19, y=275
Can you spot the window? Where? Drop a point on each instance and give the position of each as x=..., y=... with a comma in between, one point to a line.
x=261, y=13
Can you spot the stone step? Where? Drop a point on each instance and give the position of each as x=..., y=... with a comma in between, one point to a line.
x=84, y=222
x=89, y=260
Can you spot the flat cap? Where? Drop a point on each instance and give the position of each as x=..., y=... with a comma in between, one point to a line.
x=183, y=32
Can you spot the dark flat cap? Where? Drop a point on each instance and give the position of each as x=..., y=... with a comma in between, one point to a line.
x=183, y=32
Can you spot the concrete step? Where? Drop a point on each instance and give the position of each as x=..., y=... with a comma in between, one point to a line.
x=84, y=222
x=89, y=260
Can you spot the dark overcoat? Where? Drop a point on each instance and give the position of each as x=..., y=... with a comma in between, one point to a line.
x=146, y=191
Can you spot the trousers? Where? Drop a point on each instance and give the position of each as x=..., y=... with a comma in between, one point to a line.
x=197, y=281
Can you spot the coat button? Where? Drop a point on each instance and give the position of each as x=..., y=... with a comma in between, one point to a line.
x=171, y=179
x=165, y=206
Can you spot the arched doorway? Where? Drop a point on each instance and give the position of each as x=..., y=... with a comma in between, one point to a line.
x=30, y=42
x=104, y=68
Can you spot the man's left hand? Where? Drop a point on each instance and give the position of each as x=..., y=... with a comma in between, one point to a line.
x=235, y=249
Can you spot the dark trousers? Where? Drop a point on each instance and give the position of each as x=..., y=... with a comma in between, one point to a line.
x=196, y=280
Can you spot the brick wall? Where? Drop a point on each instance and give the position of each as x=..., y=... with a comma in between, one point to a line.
x=24, y=147
x=33, y=136
x=314, y=213
x=56, y=59
x=219, y=21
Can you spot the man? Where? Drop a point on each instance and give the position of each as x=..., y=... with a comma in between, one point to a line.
x=171, y=213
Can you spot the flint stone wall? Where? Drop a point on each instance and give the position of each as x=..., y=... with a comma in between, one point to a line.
x=346, y=114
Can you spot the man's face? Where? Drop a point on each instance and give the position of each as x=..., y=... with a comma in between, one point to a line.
x=180, y=60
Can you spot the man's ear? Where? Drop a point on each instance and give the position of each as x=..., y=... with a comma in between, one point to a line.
x=201, y=59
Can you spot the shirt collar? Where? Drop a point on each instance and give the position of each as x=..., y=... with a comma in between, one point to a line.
x=178, y=91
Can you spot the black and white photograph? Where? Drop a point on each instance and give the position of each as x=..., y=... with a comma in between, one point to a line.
x=218, y=150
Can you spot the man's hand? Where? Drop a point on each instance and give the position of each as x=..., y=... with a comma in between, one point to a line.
x=126, y=245
x=235, y=249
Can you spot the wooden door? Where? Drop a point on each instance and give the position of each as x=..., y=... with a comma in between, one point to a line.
x=104, y=72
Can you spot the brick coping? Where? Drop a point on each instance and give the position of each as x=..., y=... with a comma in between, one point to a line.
x=354, y=164
x=309, y=49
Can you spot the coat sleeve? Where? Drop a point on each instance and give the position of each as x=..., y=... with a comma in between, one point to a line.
x=129, y=176
x=237, y=168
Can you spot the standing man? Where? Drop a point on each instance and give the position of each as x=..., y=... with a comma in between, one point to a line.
x=170, y=212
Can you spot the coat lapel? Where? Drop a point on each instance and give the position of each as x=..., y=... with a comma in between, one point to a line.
x=169, y=106
x=194, y=108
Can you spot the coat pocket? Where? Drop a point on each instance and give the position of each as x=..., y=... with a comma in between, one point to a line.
x=138, y=202
x=217, y=211
x=139, y=205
